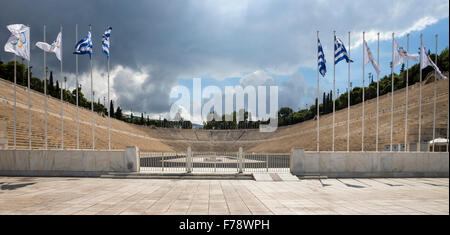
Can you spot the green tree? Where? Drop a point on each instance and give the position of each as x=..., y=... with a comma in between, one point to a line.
x=118, y=113
x=50, y=85
x=57, y=92
x=111, y=108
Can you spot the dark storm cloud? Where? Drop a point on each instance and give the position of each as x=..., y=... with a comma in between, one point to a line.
x=154, y=43
x=174, y=38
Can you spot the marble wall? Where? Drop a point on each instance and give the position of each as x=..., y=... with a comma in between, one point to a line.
x=3, y=134
x=41, y=161
x=370, y=164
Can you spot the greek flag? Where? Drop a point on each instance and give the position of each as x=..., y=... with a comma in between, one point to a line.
x=105, y=41
x=340, y=52
x=321, y=59
x=84, y=46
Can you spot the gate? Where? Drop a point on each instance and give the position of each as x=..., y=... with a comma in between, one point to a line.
x=214, y=162
x=266, y=162
x=162, y=162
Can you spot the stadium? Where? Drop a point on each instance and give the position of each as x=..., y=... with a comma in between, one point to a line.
x=334, y=141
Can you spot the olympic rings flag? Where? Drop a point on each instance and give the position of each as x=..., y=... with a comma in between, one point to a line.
x=19, y=41
x=54, y=48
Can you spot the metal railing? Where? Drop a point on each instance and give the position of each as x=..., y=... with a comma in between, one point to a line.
x=162, y=162
x=266, y=162
x=214, y=162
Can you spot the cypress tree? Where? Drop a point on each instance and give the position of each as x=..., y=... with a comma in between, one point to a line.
x=331, y=102
x=57, y=90
x=111, y=108
x=317, y=103
x=118, y=113
x=50, y=84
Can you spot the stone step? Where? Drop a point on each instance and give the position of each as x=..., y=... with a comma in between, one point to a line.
x=287, y=177
x=178, y=176
x=274, y=177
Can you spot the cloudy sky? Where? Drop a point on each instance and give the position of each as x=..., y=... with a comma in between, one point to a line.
x=157, y=45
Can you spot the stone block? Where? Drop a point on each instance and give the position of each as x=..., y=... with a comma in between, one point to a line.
x=102, y=160
x=42, y=160
x=7, y=160
x=22, y=160
x=117, y=161
x=132, y=158
x=297, y=161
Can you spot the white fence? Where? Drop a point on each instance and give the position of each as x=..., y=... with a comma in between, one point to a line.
x=214, y=162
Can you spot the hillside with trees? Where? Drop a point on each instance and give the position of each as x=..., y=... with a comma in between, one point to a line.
x=54, y=90
x=286, y=116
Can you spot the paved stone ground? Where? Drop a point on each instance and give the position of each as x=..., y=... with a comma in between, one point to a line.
x=144, y=196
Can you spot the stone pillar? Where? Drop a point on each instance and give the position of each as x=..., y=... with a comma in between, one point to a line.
x=3, y=134
x=240, y=159
x=189, y=160
x=132, y=159
x=297, y=161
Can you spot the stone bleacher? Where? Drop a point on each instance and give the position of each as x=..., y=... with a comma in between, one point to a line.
x=304, y=134
x=169, y=139
x=122, y=134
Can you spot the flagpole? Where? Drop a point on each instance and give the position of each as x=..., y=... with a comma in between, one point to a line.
x=363, y=94
x=420, y=99
x=407, y=88
x=92, y=101
x=318, y=111
x=448, y=120
x=29, y=106
x=15, y=99
x=392, y=89
x=109, y=115
x=109, y=108
x=434, y=99
x=45, y=92
x=348, y=98
x=76, y=76
x=62, y=95
x=334, y=78
x=378, y=88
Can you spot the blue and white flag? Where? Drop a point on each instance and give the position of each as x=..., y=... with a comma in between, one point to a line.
x=321, y=59
x=84, y=46
x=340, y=52
x=105, y=41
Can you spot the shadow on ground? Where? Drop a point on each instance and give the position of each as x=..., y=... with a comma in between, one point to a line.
x=14, y=186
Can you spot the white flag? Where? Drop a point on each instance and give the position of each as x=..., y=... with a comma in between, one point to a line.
x=401, y=55
x=368, y=56
x=19, y=41
x=54, y=48
x=426, y=61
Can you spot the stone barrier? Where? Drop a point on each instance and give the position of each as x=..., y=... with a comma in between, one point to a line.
x=68, y=162
x=369, y=164
x=3, y=134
